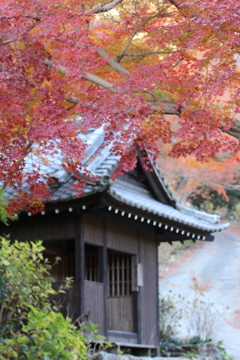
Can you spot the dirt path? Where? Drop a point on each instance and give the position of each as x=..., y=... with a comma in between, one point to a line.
x=216, y=264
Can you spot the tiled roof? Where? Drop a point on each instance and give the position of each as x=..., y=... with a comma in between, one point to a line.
x=52, y=166
x=101, y=163
x=142, y=200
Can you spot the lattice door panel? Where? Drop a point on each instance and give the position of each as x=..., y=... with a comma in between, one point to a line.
x=91, y=267
x=119, y=274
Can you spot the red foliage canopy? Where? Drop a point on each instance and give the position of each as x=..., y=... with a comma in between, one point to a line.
x=67, y=66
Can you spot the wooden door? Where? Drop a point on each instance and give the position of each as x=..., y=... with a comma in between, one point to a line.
x=120, y=298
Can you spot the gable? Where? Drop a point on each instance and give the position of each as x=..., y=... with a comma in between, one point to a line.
x=137, y=178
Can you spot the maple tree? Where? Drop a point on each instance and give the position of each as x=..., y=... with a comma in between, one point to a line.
x=67, y=66
x=187, y=176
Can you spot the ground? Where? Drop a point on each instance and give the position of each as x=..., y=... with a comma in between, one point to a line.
x=217, y=265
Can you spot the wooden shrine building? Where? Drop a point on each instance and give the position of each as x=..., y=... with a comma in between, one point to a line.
x=108, y=240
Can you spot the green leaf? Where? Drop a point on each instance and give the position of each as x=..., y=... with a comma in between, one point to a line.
x=23, y=340
x=5, y=262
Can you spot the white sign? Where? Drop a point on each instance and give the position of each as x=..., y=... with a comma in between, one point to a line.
x=139, y=275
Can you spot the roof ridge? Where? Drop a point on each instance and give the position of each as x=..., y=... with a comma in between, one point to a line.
x=211, y=218
x=161, y=178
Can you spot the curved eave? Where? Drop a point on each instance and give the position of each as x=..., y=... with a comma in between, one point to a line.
x=210, y=218
x=158, y=210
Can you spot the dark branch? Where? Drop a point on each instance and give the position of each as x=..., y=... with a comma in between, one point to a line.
x=106, y=6
x=235, y=130
x=175, y=3
x=160, y=13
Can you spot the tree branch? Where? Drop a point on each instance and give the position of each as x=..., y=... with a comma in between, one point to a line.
x=99, y=81
x=97, y=9
x=87, y=76
x=5, y=42
x=106, y=6
x=235, y=130
x=176, y=4
x=168, y=108
x=114, y=64
x=148, y=53
x=119, y=57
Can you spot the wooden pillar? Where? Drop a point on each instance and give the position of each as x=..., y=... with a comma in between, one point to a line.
x=157, y=285
x=79, y=265
x=105, y=278
x=138, y=297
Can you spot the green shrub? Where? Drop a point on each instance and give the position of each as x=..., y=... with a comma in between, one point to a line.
x=25, y=281
x=45, y=336
x=195, y=340
x=31, y=326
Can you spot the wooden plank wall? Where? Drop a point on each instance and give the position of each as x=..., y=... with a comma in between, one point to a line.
x=121, y=237
x=92, y=230
x=43, y=227
x=149, y=291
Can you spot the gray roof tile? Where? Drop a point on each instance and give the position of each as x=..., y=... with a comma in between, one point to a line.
x=140, y=201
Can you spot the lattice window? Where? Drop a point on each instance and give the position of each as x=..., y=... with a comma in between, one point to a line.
x=119, y=274
x=91, y=266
